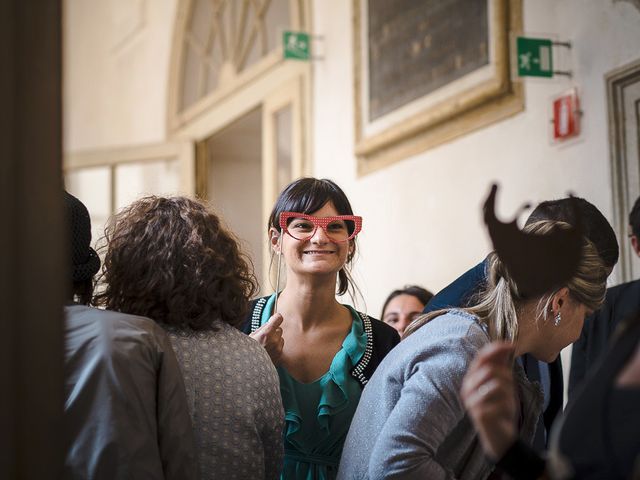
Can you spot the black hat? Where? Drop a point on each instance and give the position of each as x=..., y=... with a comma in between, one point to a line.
x=85, y=262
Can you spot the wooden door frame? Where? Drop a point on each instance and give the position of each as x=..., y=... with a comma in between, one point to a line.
x=617, y=81
x=33, y=257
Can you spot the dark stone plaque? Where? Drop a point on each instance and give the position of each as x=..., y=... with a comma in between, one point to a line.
x=418, y=46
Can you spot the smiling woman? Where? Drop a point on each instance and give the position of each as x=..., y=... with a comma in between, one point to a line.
x=325, y=352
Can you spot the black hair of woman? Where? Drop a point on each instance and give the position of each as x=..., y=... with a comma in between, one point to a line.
x=308, y=195
x=422, y=294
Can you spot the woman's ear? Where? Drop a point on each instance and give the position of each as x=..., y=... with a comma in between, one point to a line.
x=560, y=298
x=352, y=250
x=274, y=239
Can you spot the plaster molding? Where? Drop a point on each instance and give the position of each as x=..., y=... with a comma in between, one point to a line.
x=128, y=19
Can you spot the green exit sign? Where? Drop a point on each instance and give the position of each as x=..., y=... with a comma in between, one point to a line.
x=535, y=57
x=296, y=45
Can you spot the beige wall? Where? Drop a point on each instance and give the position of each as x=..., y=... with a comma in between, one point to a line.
x=421, y=215
x=116, y=72
x=422, y=220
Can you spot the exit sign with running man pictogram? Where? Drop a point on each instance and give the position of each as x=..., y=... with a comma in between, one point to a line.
x=534, y=57
x=296, y=45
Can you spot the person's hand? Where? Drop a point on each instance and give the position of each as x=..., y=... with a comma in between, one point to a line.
x=489, y=396
x=269, y=336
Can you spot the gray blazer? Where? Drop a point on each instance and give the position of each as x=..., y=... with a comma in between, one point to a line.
x=125, y=411
x=411, y=423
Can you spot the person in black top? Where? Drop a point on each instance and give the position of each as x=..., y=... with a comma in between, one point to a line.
x=597, y=438
x=621, y=301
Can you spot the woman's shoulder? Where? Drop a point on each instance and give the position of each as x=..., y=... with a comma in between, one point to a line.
x=379, y=331
x=224, y=343
x=381, y=339
x=455, y=321
x=448, y=342
x=113, y=328
x=455, y=332
x=235, y=339
x=254, y=313
x=382, y=330
x=221, y=335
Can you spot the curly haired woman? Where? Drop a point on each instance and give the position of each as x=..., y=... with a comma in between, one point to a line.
x=170, y=259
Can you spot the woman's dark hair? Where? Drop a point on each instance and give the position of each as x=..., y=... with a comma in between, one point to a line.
x=422, y=294
x=634, y=218
x=82, y=292
x=170, y=259
x=84, y=262
x=307, y=195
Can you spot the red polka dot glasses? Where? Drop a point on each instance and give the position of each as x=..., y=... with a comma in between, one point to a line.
x=340, y=228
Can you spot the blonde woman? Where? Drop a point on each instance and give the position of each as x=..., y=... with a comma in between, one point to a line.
x=411, y=422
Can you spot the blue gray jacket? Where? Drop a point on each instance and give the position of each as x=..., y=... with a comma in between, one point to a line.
x=460, y=293
x=411, y=423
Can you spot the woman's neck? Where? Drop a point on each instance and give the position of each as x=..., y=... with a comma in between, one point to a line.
x=309, y=304
x=528, y=331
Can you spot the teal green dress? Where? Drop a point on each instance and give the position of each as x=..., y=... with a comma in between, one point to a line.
x=318, y=414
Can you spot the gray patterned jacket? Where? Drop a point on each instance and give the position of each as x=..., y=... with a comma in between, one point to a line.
x=234, y=401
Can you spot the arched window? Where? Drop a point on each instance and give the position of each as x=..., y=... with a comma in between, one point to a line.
x=220, y=45
x=244, y=107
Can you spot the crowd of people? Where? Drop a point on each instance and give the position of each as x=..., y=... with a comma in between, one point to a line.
x=174, y=370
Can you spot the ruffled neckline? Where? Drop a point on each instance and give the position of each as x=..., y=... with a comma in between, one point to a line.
x=334, y=396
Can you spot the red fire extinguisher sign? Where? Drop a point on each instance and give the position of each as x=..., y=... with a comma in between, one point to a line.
x=566, y=116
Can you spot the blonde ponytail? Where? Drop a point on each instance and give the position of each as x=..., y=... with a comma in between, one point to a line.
x=496, y=304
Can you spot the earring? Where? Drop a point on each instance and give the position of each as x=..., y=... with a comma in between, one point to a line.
x=557, y=319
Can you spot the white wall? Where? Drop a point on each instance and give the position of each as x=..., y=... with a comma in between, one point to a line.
x=422, y=219
x=116, y=72
x=421, y=215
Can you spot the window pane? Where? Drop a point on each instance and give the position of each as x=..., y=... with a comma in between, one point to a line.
x=135, y=180
x=201, y=18
x=213, y=68
x=93, y=187
x=245, y=33
x=192, y=68
x=277, y=20
x=250, y=41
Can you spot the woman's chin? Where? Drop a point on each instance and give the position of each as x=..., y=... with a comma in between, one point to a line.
x=546, y=357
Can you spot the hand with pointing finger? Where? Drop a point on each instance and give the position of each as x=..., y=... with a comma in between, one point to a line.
x=269, y=336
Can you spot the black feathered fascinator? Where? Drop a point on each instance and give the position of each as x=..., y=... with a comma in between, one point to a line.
x=536, y=263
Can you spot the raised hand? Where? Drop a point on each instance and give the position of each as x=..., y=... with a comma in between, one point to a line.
x=488, y=394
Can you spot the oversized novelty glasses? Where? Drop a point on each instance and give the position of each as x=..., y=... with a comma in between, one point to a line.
x=340, y=228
